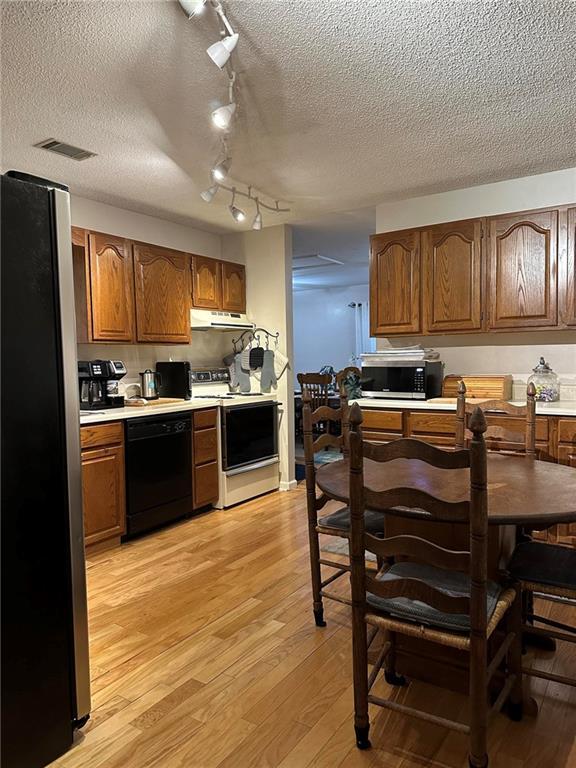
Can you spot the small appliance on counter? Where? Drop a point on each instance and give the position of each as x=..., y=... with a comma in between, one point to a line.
x=402, y=380
x=98, y=382
x=546, y=382
x=175, y=379
x=150, y=384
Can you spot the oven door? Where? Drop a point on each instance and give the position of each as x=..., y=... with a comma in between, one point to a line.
x=249, y=435
x=400, y=381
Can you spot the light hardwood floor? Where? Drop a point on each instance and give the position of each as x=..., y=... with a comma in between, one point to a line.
x=205, y=655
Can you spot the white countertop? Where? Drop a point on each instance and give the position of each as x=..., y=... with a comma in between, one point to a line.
x=561, y=408
x=134, y=412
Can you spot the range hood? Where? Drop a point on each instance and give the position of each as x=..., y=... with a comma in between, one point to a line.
x=216, y=320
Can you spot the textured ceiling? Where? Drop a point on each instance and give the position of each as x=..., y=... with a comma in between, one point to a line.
x=343, y=104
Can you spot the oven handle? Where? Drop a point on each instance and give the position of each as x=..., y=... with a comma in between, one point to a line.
x=250, y=467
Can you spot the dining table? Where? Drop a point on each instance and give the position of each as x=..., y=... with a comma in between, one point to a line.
x=523, y=494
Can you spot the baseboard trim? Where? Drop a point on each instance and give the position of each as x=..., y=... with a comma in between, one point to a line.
x=287, y=486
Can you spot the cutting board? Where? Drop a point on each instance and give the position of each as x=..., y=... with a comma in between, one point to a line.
x=152, y=403
x=487, y=387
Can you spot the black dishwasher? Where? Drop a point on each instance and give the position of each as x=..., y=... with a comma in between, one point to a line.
x=158, y=471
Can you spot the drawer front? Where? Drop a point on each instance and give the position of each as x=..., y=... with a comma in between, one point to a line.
x=205, y=419
x=205, y=446
x=567, y=430
x=385, y=420
x=102, y=434
x=205, y=484
x=517, y=425
x=432, y=423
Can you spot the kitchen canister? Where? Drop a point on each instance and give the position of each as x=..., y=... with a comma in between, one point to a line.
x=546, y=382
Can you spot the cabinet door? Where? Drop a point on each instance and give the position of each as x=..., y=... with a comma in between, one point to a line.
x=233, y=287
x=111, y=288
x=162, y=280
x=523, y=281
x=206, y=283
x=395, y=283
x=452, y=276
x=568, y=282
x=103, y=491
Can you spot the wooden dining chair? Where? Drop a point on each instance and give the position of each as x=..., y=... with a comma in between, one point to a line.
x=336, y=523
x=500, y=438
x=317, y=386
x=550, y=571
x=429, y=592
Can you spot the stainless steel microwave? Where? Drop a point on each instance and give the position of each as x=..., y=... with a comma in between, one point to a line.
x=402, y=380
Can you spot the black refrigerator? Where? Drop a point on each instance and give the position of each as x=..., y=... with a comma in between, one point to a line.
x=45, y=667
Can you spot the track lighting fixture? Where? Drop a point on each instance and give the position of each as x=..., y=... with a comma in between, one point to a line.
x=222, y=117
x=220, y=171
x=209, y=193
x=192, y=7
x=237, y=213
x=220, y=52
x=257, y=223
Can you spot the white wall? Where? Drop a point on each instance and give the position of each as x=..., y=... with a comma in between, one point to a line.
x=268, y=258
x=100, y=217
x=324, y=327
x=546, y=189
x=514, y=353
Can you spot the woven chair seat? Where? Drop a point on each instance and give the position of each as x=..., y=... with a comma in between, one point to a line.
x=453, y=583
x=547, y=564
x=373, y=521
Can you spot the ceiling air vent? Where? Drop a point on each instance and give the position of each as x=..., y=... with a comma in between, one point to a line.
x=61, y=148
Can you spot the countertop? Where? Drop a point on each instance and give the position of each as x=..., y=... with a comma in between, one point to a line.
x=561, y=408
x=133, y=412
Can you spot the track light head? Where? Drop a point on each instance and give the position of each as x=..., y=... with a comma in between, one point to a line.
x=222, y=117
x=220, y=171
x=237, y=214
x=220, y=52
x=257, y=223
x=192, y=7
x=209, y=193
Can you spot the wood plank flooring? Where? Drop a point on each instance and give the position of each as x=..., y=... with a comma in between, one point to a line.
x=204, y=655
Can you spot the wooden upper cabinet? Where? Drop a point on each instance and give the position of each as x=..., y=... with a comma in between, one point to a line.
x=522, y=270
x=233, y=287
x=162, y=282
x=206, y=283
x=395, y=283
x=568, y=280
x=452, y=276
x=112, y=288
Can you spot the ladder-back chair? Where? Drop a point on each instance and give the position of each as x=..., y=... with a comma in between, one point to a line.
x=317, y=386
x=336, y=523
x=429, y=592
x=499, y=438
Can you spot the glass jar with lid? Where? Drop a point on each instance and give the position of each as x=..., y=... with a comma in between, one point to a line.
x=546, y=382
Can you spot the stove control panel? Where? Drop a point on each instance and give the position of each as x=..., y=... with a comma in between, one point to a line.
x=210, y=376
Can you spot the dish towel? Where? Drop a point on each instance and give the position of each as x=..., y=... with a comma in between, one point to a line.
x=242, y=376
x=244, y=359
x=233, y=375
x=268, y=376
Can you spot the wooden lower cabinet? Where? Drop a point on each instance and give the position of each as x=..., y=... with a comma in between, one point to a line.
x=205, y=457
x=555, y=441
x=103, y=483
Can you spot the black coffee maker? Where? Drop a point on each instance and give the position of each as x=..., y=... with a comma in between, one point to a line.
x=98, y=382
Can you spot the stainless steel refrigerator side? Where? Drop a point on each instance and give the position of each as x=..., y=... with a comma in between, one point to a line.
x=72, y=430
